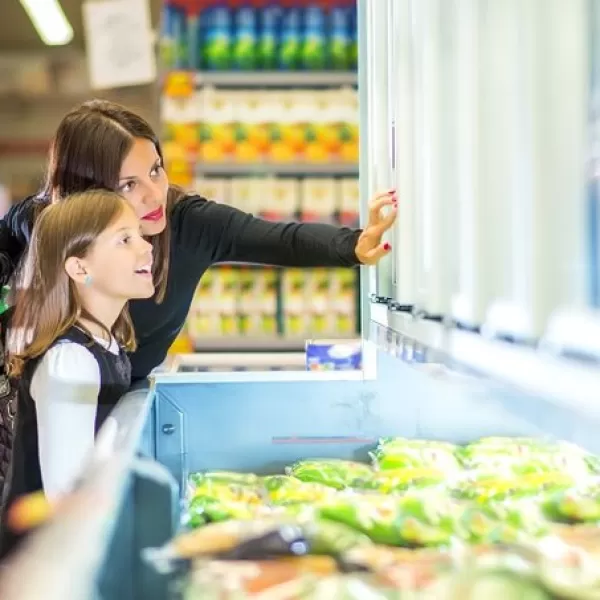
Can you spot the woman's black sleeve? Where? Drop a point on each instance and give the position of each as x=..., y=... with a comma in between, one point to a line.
x=15, y=231
x=221, y=233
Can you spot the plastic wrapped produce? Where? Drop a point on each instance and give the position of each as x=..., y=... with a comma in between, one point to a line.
x=401, y=453
x=524, y=456
x=227, y=491
x=501, y=522
x=230, y=477
x=573, y=506
x=401, y=480
x=411, y=521
x=282, y=489
x=329, y=537
x=202, y=510
x=338, y=474
x=483, y=487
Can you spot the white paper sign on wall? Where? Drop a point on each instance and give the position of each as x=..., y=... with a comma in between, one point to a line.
x=120, y=43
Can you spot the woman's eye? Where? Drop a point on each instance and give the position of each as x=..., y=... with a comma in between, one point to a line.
x=155, y=171
x=127, y=187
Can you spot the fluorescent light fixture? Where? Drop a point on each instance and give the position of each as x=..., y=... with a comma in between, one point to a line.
x=49, y=20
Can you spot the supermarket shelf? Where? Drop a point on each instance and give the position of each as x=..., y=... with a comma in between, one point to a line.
x=259, y=79
x=265, y=168
x=250, y=344
x=227, y=360
x=256, y=344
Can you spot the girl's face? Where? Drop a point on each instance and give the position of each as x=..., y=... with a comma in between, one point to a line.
x=144, y=184
x=118, y=267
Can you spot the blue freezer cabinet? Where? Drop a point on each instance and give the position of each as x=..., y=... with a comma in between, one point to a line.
x=260, y=422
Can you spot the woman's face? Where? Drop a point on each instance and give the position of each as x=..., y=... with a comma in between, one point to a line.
x=144, y=184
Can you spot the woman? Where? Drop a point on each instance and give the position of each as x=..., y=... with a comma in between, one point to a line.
x=68, y=337
x=103, y=145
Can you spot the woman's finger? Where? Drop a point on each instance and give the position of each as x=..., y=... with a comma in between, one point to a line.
x=377, y=253
x=385, y=223
x=381, y=200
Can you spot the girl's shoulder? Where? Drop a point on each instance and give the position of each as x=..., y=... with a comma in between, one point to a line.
x=66, y=363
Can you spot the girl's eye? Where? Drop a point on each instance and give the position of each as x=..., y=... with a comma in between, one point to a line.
x=126, y=239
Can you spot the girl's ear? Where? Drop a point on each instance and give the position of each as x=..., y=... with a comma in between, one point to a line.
x=76, y=269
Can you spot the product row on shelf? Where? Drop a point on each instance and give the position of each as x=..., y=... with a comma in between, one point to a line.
x=322, y=199
x=248, y=127
x=268, y=303
x=259, y=34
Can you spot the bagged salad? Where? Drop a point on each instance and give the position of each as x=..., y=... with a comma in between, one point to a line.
x=401, y=453
x=411, y=521
x=334, y=473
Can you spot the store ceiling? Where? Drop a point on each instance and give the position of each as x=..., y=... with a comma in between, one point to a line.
x=17, y=33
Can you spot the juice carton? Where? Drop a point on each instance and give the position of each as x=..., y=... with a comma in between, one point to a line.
x=216, y=127
x=247, y=124
x=344, y=294
x=193, y=33
x=168, y=51
x=230, y=290
x=319, y=196
x=291, y=37
x=341, y=40
x=259, y=122
x=326, y=144
x=259, y=134
x=248, y=306
x=245, y=42
x=313, y=54
x=217, y=37
x=353, y=17
x=321, y=315
x=347, y=102
x=348, y=201
x=213, y=188
x=281, y=198
x=295, y=317
x=286, y=132
x=268, y=293
x=305, y=114
x=204, y=318
x=244, y=194
x=269, y=35
x=258, y=302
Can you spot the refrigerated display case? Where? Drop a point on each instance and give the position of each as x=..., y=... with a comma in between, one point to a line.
x=431, y=369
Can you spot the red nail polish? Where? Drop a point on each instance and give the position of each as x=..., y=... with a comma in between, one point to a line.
x=391, y=191
x=387, y=246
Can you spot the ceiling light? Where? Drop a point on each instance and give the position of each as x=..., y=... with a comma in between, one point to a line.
x=49, y=20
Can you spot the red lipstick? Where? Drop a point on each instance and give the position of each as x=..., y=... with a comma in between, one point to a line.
x=155, y=215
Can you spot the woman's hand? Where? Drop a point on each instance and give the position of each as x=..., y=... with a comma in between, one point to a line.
x=369, y=248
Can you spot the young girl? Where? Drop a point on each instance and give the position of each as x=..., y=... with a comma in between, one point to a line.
x=103, y=145
x=68, y=337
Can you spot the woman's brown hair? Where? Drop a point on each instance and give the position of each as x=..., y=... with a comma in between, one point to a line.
x=87, y=152
x=47, y=303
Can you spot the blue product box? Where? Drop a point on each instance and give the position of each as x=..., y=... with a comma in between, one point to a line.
x=333, y=355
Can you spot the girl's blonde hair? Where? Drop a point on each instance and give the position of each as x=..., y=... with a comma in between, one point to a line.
x=47, y=303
